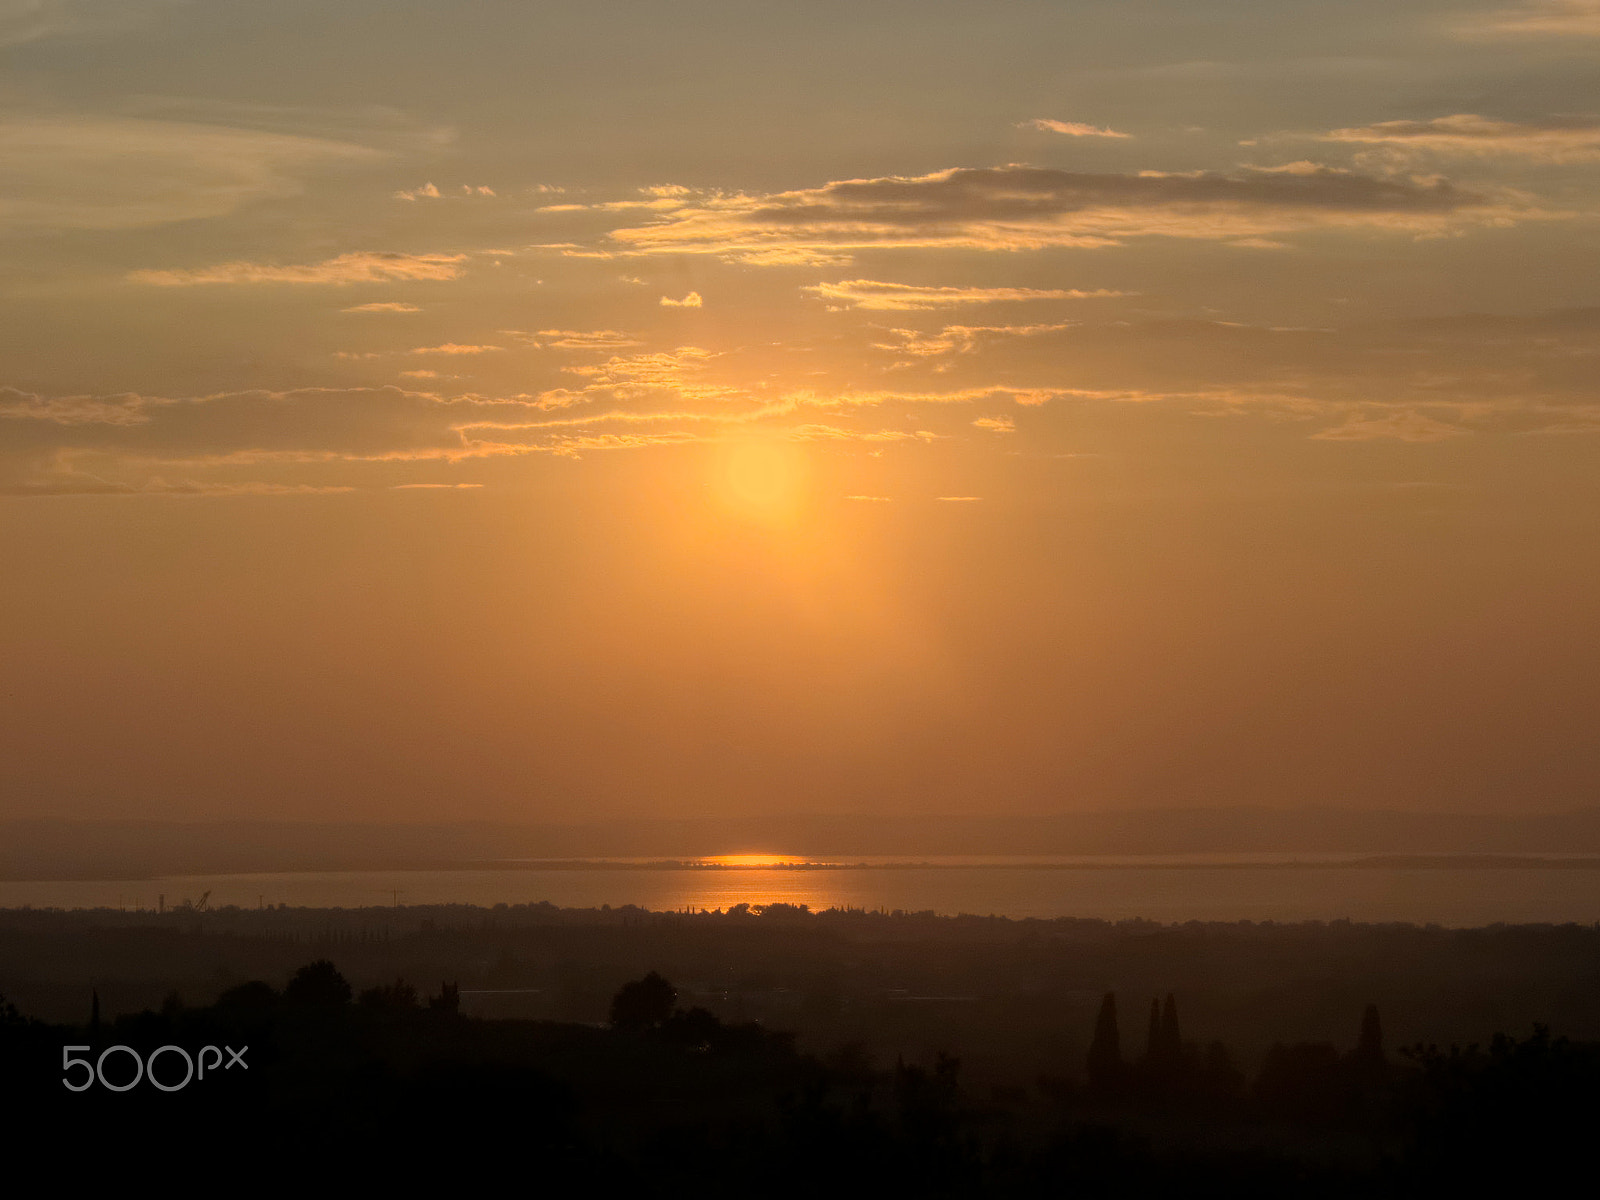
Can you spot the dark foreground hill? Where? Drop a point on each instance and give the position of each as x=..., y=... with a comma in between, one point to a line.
x=315, y=1086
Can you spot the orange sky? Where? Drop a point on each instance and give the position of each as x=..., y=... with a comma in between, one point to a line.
x=550, y=411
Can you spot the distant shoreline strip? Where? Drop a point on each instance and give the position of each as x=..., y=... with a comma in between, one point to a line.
x=1428, y=862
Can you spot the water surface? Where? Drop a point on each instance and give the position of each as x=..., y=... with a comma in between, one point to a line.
x=1460, y=892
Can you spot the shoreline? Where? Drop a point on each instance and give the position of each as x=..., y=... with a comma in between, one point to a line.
x=1392, y=862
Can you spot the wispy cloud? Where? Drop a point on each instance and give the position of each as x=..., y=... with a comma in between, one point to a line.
x=1402, y=383
x=88, y=486
x=1023, y=208
x=576, y=339
x=903, y=297
x=33, y=20
x=633, y=375
x=430, y=191
x=454, y=348
x=112, y=173
x=692, y=300
x=575, y=445
x=1539, y=18
x=835, y=433
x=1552, y=139
x=1027, y=396
x=358, y=267
x=1404, y=426
x=1071, y=128
x=383, y=306
x=128, y=408
x=961, y=339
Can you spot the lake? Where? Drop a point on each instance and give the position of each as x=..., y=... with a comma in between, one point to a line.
x=1442, y=890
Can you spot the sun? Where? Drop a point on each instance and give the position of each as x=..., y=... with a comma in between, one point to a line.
x=762, y=480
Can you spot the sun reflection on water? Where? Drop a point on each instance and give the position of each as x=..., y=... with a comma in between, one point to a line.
x=757, y=860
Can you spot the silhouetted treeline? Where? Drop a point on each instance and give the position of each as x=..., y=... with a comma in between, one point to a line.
x=393, y=1085
x=1017, y=996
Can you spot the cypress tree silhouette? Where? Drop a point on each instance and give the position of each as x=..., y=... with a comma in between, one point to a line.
x=1171, y=1037
x=1367, y=1067
x=448, y=1000
x=1105, y=1051
x=1152, y=1041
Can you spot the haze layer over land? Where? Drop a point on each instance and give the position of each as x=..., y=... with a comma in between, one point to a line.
x=580, y=414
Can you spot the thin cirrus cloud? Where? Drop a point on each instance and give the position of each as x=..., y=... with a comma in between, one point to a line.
x=835, y=433
x=996, y=424
x=903, y=297
x=1539, y=18
x=1071, y=128
x=1458, y=377
x=225, y=444
x=988, y=393
x=1402, y=426
x=455, y=348
x=575, y=445
x=960, y=339
x=58, y=447
x=58, y=442
x=88, y=485
x=576, y=339
x=1027, y=208
x=1552, y=139
x=430, y=191
x=128, y=408
x=681, y=371
x=357, y=267
x=33, y=20
x=109, y=173
x=692, y=300
x=383, y=306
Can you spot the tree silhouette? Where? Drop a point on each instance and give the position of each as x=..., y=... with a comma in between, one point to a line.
x=448, y=1000
x=1105, y=1051
x=1171, y=1036
x=396, y=996
x=927, y=1100
x=643, y=1004
x=698, y=1029
x=318, y=985
x=255, y=996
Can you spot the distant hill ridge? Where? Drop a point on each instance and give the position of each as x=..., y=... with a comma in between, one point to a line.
x=58, y=849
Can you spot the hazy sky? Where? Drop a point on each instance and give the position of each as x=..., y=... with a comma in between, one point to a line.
x=552, y=410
